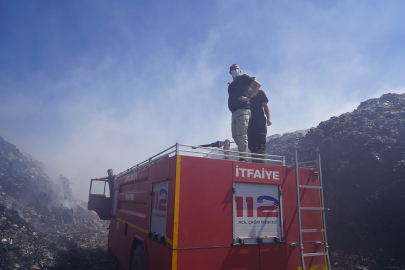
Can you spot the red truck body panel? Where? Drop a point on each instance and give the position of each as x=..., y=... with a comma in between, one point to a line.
x=200, y=211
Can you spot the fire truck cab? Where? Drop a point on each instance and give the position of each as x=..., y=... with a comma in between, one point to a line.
x=186, y=209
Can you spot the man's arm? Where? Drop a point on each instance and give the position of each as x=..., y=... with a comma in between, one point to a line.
x=255, y=85
x=267, y=113
x=253, y=89
x=101, y=178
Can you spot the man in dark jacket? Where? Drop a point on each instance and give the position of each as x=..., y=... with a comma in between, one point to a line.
x=257, y=129
x=241, y=90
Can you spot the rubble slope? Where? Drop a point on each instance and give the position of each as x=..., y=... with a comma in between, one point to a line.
x=42, y=226
x=363, y=163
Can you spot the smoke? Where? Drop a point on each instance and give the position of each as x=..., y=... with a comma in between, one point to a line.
x=115, y=105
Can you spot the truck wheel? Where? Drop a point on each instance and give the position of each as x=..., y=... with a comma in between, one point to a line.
x=110, y=253
x=138, y=261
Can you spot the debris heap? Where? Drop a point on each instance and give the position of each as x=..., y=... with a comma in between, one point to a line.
x=363, y=164
x=42, y=226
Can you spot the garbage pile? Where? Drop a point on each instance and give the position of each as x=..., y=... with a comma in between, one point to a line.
x=285, y=145
x=42, y=226
x=363, y=164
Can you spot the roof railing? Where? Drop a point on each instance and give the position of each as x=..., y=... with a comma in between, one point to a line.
x=206, y=152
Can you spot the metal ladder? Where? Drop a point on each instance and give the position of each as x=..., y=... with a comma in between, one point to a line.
x=322, y=209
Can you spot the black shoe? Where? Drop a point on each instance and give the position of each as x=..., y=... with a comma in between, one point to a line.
x=242, y=159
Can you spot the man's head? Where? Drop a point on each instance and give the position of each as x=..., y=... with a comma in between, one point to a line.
x=234, y=70
x=110, y=172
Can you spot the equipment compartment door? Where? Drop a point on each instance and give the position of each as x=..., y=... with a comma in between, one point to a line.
x=158, y=211
x=256, y=213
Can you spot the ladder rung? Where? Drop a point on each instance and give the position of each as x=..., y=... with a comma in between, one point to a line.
x=307, y=162
x=312, y=208
x=305, y=186
x=314, y=254
x=313, y=230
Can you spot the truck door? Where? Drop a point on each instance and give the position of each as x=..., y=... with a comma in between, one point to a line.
x=99, y=198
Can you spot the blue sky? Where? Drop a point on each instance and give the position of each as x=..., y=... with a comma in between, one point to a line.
x=91, y=85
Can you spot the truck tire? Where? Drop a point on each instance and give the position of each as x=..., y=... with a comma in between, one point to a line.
x=110, y=253
x=138, y=260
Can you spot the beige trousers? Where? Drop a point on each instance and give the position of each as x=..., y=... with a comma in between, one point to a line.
x=240, y=122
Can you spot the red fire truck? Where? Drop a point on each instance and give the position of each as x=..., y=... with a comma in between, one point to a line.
x=184, y=209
